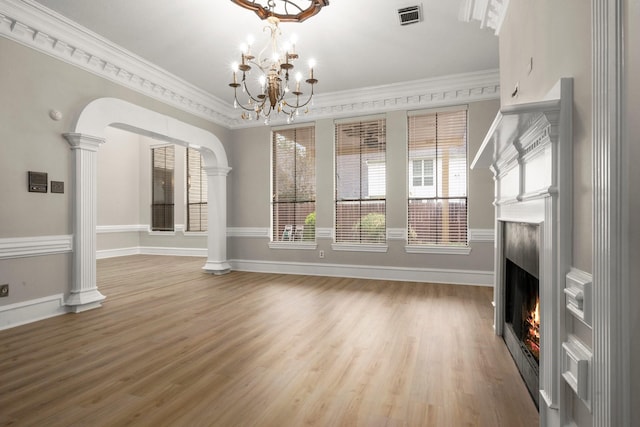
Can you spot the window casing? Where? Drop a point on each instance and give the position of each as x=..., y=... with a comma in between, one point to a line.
x=162, y=181
x=196, y=192
x=293, y=204
x=360, y=184
x=437, y=165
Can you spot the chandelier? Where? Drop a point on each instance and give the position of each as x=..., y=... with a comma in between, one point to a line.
x=271, y=87
x=284, y=10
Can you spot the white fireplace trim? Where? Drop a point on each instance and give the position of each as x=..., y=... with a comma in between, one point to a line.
x=524, y=148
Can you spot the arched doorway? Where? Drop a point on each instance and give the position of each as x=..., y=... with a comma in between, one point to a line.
x=85, y=139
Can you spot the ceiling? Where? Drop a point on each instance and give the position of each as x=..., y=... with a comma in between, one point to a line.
x=355, y=44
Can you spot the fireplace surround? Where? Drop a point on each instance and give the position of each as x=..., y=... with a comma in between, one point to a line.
x=529, y=150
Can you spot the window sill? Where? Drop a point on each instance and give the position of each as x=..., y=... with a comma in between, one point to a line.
x=293, y=245
x=354, y=247
x=437, y=249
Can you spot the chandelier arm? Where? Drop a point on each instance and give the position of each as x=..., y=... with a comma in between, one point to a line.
x=298, y=105
x=253, y=98
x=238, y=103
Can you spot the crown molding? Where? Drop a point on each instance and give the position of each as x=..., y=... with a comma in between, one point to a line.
x=490, y=13
x=35, y=26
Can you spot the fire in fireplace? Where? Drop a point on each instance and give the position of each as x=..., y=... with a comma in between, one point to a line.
x=532, y=334
x=522, y=301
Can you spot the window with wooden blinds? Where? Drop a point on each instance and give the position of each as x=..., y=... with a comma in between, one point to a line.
x=360, y=156
x=163, y=166
x=294, y=185
x=196, y=192
x=437, y=205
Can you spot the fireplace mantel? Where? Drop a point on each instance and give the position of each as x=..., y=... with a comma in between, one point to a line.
x=529, y=150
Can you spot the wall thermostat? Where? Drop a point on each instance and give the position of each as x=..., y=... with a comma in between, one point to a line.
x=38, y=182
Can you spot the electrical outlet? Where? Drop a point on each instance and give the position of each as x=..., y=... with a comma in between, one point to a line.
x=321, y=254
x=4, y=290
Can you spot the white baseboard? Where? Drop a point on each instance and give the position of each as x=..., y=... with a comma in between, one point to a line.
x=114, y=253
x=156, y=250
x=31, y=311
x=406, y=274
x=151, y=250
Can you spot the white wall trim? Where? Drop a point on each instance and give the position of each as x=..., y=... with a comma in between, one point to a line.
x=19, y=247
x=158, y=250
x=324, y=232
x=293, y=245
x=407, y=274
x=490, y=13
x=32, y=24
x=115, y=253
x=21, y=313
x=248, y=232
x=611, y=354
x=482, y=235
x=437, y=249
x=396, y=234
x=131, y=228
x=348, y=247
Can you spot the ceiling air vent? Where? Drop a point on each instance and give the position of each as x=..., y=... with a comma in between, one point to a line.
x=410, y=15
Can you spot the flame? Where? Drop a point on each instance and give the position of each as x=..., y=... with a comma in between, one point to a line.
x=532, y=339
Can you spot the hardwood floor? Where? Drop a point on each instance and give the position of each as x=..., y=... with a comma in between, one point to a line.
x=177, y=347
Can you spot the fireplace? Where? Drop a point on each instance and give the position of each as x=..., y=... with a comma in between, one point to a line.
x=522, y=300
x=529, y=150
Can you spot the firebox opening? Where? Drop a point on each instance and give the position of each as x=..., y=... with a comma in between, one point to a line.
x=523, y=308
x=521, y=330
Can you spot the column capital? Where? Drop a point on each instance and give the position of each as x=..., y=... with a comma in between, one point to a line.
x=217, y=170
x=83, y=141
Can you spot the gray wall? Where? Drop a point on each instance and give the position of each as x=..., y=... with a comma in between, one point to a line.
x=249, y=201
x=31, y=85
x=557, y=35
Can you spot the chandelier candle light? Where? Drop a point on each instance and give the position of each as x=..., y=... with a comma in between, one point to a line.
x=274, y=79
x=271, y=90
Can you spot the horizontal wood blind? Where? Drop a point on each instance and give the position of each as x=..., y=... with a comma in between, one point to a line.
x=163, y=164
x=196, y=192
x=360, y=155
x=437, y=204
x=294, y=184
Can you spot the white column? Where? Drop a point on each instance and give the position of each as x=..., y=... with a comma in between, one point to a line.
x=611, y=363
x=217, y=262
x=84, y=293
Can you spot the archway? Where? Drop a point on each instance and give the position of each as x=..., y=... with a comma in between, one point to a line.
x=85, y=139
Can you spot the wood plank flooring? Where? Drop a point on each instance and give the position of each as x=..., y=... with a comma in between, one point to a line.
x=173, y=346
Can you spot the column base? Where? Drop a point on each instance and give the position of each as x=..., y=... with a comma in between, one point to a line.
x=217, y=267
x=84, y=300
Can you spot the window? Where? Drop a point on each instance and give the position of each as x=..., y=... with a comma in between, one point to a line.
x=422, y=173
x=196, y=192
x=162, y=161
x=294, y=185
x=360, y=157
x=437, y=202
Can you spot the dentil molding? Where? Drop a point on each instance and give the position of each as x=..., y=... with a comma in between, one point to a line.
x=31, y=24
